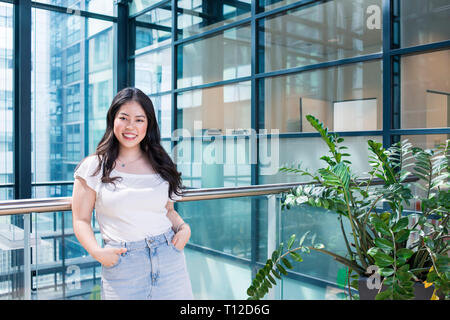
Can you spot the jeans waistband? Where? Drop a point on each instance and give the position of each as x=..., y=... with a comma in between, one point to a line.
x=150, y=241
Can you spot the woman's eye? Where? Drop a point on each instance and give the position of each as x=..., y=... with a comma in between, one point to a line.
x=122, y=118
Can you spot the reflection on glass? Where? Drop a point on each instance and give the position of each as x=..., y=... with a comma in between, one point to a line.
x=195, y=17
x=12, y=262
x=153, y=71
x=223, y=56
x=222, y=116
x=163, y=111
x=425, y=90
x=68, y=81
x=64, y=268
x=323, y=32
x=6, y=193
x=153, y=29
x=97, y=6
x=345, y=98
x=217, y=110
x=214, y=162
x=225, y=224
x=428, y=141
x=307, y=152
x=138, y=5
x=6, y=98
x=324, y=226
x=273, y=4
x=423, y=22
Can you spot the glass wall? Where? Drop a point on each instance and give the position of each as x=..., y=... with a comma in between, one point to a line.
x=231, y=83
x=322, y=32
x=94, y=6
x=72, y=68
x=6, y=101
x=425, y=90
x=244, y=74
x=195, y=17
x=344, y=98
x=421, y=22
x=72, y=88
x=231, y=52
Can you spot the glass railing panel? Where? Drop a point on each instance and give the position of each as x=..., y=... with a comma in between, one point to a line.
x=62, y=268
x=15, y=258
x=230, y=237
x=221, y=249
x=319, y=272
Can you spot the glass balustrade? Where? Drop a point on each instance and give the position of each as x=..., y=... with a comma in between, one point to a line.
x=231, y=239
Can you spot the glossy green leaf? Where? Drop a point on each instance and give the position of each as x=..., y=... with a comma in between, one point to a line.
x=404, y=253
x=384, y=244
x=385, y=272
x=401, y=224
x=287, y=263
x=296, y=256
x=381, y=258
x=291, y=241
x=281, y=269
x=379, y=225
x=402, y=235
x=276, y=274
x=302, y=239
x=384, y=295
x=385, y=216
x=271, y=279
x=275, y=255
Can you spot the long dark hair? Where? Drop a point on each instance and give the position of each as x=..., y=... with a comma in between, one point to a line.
x=108, y=147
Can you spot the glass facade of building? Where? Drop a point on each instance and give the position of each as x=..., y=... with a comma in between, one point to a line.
x=231, y=82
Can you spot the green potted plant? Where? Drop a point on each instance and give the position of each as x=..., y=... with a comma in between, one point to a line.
x=408, y=253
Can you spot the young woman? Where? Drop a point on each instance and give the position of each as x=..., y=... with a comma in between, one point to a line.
x=132, y=183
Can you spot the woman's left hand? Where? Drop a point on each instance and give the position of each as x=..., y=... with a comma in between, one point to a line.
x=181, y=237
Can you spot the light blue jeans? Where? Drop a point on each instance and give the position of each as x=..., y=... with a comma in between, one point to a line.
x=150, y=269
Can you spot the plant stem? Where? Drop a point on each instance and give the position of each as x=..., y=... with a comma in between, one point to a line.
x=348, y=284
x=351, y=264
x=350, y=252
x=395, y=263
x=350, y=216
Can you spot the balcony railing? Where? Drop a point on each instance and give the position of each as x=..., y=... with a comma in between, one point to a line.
x=263, y=230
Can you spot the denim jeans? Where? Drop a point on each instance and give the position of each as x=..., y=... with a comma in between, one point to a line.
x=150, y=269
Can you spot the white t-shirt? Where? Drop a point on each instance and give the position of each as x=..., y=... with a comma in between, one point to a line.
x=134, y=208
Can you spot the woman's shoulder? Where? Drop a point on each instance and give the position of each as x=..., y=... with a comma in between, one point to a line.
x=90, y=162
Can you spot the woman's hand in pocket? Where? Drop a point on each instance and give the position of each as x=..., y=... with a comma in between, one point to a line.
x=181, y=237
x=109, y=256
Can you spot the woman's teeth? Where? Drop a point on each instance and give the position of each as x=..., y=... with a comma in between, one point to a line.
x=129, y=136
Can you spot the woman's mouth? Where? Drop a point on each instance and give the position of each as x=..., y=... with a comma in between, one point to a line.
x=129, y=136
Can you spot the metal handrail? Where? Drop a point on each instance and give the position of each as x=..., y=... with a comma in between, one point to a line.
x=25, y=206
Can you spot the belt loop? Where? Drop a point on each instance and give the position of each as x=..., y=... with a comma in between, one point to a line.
x=166, y=235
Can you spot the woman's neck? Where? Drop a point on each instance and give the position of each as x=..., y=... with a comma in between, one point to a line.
x=129, y=154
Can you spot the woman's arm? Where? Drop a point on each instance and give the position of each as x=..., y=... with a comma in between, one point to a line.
x=83, y=201
x=181, y=229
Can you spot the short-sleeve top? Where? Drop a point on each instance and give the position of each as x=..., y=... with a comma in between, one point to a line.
x=134, y=208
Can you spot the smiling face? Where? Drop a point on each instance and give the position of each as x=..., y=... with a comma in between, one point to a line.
x=130, y=125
